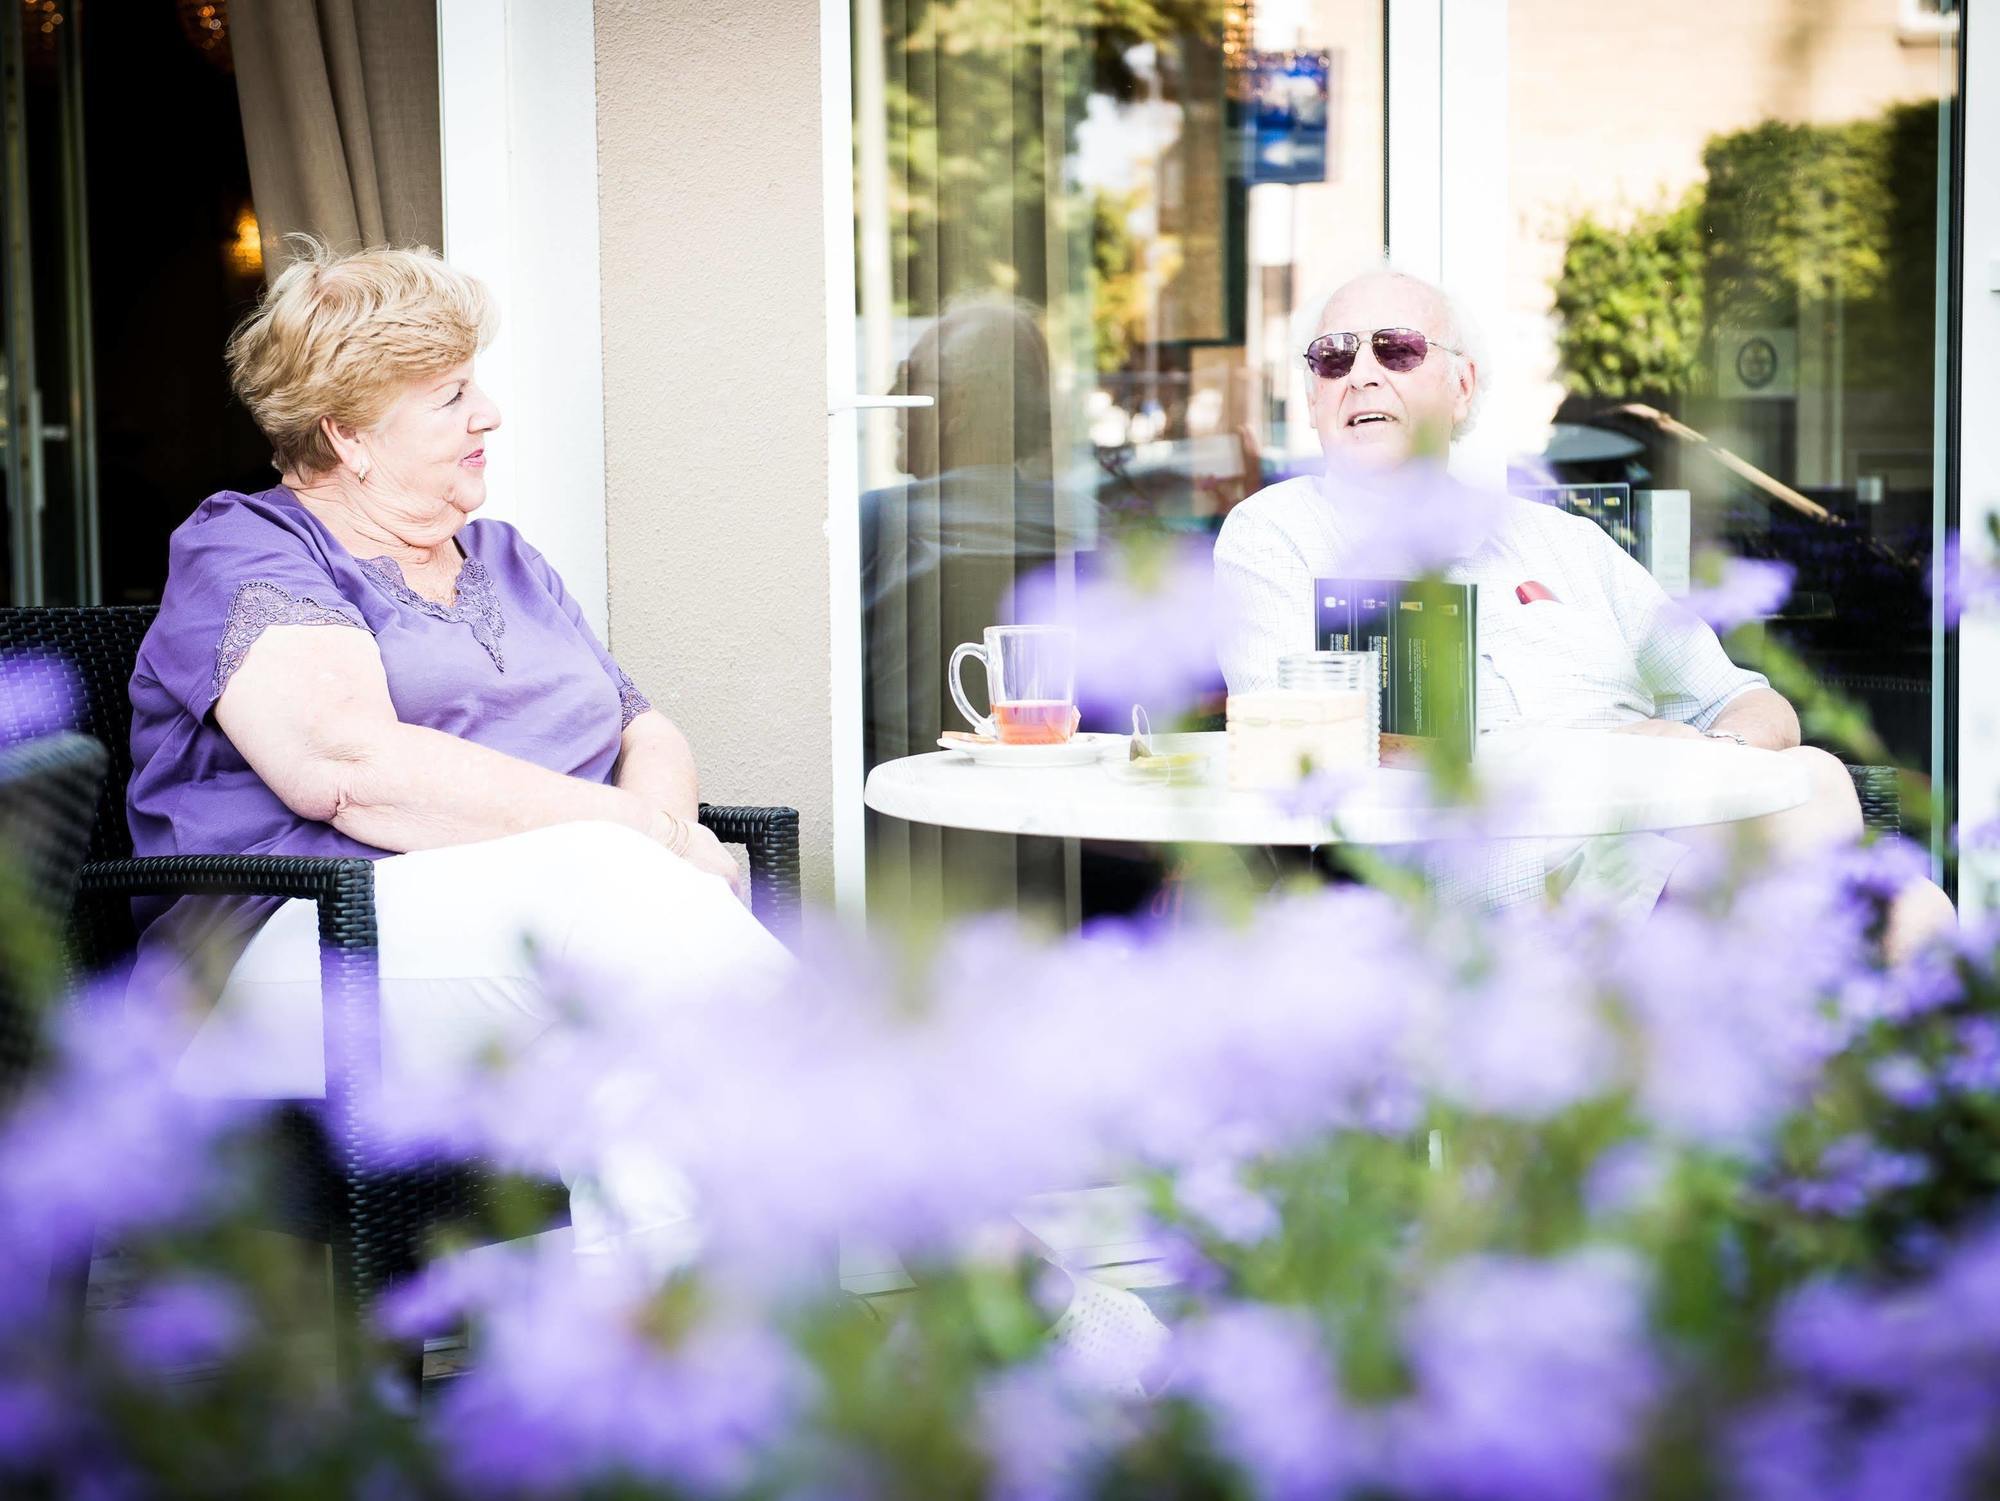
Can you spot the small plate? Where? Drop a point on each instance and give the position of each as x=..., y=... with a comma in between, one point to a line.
x=1078, y=750
x=1176, y=770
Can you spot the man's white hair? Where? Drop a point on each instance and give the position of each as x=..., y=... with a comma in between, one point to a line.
x=1461, y=330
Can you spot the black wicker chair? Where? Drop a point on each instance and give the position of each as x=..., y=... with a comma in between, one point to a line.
x=329, y=1186
x=1880, y=789
x=49, y=789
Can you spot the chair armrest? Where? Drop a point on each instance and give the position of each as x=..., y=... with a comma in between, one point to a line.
x=771, y=837
x=348, y=884
x=1880, y=789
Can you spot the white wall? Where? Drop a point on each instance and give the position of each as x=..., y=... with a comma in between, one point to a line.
x=518, y=88
x=709, y=196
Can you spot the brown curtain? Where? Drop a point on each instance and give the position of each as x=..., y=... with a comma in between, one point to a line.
x=340, y=121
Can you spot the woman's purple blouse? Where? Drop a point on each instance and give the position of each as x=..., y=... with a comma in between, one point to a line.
x=512, y=665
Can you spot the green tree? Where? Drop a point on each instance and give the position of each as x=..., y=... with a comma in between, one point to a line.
x=1789, y=219
x=983, y=100
x=1630, y=304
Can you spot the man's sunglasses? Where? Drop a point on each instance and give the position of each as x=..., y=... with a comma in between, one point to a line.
x=1332, y=356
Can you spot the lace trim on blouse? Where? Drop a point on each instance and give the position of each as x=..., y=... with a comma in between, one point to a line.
x=256, y=607
x=631, y=702
x=476, y=606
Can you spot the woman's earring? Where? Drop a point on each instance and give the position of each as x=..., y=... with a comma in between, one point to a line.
x=361, y=472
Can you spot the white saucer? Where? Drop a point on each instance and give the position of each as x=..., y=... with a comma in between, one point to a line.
x=1078, y=750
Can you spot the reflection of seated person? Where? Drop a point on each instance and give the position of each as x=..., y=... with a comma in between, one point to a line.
x=940, y=553
x=1609, y=650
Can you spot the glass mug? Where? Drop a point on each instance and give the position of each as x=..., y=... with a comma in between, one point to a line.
x=1030, y=681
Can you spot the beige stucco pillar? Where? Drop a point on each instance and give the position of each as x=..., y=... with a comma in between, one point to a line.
x=715, y=389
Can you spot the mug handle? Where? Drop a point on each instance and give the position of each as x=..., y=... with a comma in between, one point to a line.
x=983, y=724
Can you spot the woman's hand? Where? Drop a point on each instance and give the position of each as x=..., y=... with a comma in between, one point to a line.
x=702, y=850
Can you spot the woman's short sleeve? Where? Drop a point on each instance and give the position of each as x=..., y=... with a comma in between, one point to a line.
x=233, y=572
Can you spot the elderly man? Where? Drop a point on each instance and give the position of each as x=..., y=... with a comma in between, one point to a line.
x=1603, y=646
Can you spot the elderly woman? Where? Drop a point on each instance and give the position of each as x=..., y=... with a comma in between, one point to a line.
x=350, y=664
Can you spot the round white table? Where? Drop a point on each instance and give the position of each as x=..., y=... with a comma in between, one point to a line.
x=1539, y=784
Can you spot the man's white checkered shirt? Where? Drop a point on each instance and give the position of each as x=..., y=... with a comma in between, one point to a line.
x=1608, y=649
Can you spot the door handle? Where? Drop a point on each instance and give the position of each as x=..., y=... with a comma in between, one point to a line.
x=874, y=403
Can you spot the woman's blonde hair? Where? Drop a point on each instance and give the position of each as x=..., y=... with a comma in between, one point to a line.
x=342, y=336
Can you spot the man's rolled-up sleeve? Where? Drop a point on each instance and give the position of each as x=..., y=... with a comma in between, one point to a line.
x=1680, y=659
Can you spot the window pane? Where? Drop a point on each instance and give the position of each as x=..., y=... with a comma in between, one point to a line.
x=1724, y=279
x=1083, y=232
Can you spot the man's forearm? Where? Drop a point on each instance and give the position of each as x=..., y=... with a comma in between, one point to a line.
x=656, y=765
x=1761, y=716
x=409, y=788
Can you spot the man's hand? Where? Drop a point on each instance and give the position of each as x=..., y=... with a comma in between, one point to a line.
x=1665, y=729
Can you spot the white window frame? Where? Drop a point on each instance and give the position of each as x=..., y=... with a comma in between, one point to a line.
x=1978, y=789
x=1418, y=179
x=1449, y=64
x=1448, y=199
x=1448, y=206
x=517, y=95
x=843, y=458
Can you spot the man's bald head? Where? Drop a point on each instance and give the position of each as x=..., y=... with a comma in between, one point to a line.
x=1376, y=417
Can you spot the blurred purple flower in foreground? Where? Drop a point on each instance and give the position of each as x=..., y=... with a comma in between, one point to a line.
x=1628, y=1178
x=1044, y=1432
x=1965, y=584
x=1852, y=1173
x=189, y=1321
x=1723, y=1063
x=1541, y=1408
x=1894, y=1392
x=1145, y=627
x=39, y=695
x=1215, y=1194
x=1409, y=522
x=1748, y=589
x=105, y=1143
x=570, y=1390
x=1270, y=1393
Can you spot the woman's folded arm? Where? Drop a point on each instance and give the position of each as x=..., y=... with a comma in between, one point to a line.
x=309, y=709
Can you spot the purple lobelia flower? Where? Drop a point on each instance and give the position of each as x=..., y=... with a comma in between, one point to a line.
x=1722, y=1063
x=1044, y=1432
x=39, y=695
x=1410, y=522
x=104, y=1143
x=1893, y=1390
x=1842, y=1336
x=1975, y=1067
x=188, y=1321
x=1852, y=1173
x=1144, y=618
x=1817, y=1445
x=1628, y=1178
x=1548, y=1407
x=1521, y=1035
x=1263, y=1379
x=1966, y=581
x=570, y=1392
x=1905, y=1081
x=35, y=1419
x=1215, y=1194
x=1745, y=589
